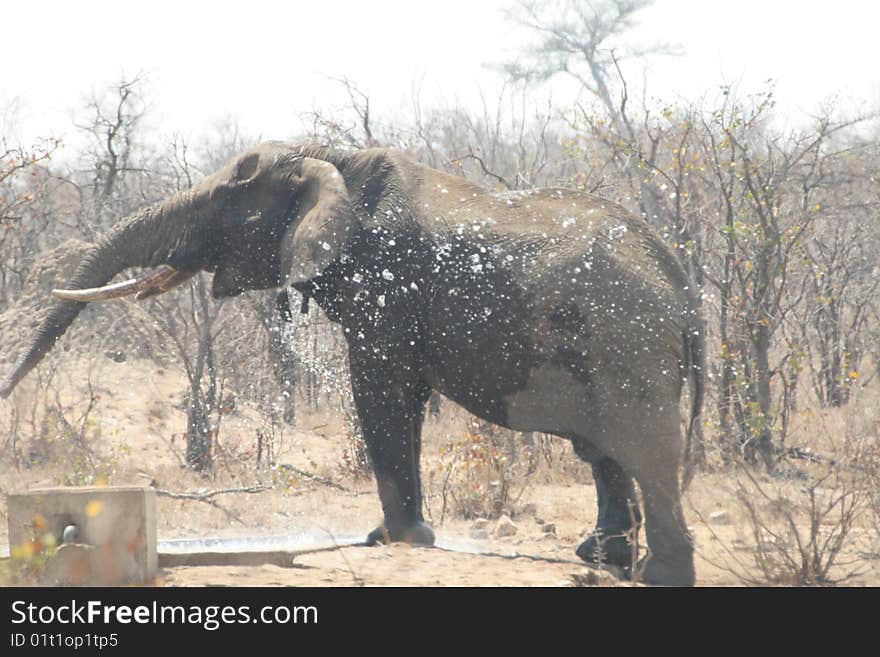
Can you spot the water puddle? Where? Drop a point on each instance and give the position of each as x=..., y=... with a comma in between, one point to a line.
x=296, y=542
x=287, y=542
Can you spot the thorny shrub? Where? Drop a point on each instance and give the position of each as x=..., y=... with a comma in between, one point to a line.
x=44, y=431
x=479, y=475
x=809, y=537
x=355, y=462
x=29, y=560
x=872, y=468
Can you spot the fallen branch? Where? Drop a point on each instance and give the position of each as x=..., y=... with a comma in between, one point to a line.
x=207, y=496
x=316, y=478
x=203, y=496
x=808, y=455
x=798, y=453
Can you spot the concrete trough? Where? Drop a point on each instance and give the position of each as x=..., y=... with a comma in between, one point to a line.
x=106, y=536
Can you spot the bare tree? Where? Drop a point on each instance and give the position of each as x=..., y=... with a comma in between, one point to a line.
x=116, y=155
x=22, y=185
x=841, y=253
x=774, y=192
x=583, y=39
x=340, y=128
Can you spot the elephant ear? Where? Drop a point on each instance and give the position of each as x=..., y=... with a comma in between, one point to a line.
x=322, y=225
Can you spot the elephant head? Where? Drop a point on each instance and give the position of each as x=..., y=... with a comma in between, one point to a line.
x=271, y=215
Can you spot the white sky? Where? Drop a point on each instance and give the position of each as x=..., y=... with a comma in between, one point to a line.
x=263, y=62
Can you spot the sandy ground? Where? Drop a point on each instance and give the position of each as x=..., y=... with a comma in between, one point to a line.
x=395, y=565
x=136, y=438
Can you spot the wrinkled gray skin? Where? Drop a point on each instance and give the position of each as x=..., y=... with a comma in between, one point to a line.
x=551, y=311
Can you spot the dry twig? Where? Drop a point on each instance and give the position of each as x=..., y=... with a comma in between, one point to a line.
x=206, y=497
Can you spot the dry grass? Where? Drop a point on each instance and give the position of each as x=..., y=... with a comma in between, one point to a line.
x=815, y=522
x=810, y=522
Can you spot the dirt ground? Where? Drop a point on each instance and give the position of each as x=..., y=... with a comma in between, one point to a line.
x=134, y=436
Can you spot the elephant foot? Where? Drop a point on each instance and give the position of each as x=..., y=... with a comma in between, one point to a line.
x=667, y=572
x=416, y=534
x=611, y=551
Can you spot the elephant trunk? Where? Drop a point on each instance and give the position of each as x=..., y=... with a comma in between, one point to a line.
x=171, y=232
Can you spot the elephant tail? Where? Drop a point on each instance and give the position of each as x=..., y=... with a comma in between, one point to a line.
x=694, y=367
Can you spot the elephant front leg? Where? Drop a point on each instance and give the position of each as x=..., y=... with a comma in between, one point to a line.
x=391, y=412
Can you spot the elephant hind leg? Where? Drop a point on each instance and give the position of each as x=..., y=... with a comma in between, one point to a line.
x=671, y=558
x=649, y=447
x=656, y=467
x=618, y=514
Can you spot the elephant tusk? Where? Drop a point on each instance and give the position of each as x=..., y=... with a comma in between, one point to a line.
x=175, y=279
x=156, y=282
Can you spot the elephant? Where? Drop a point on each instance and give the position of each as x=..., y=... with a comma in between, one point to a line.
x=548, y=310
